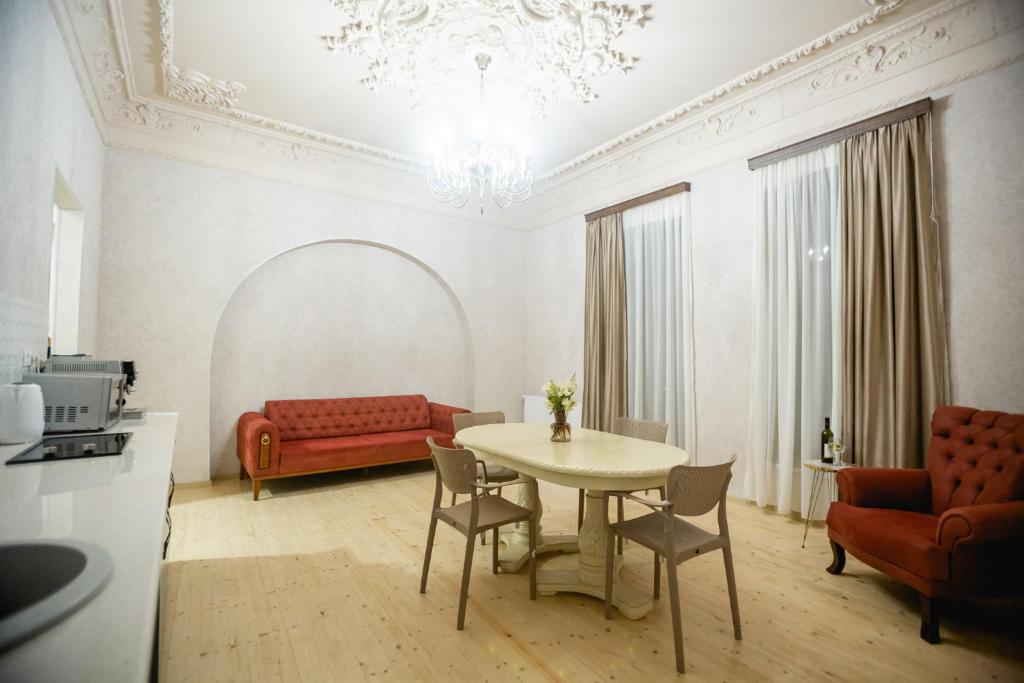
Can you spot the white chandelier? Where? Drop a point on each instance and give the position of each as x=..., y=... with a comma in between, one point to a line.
x=503, y=169
x=533, y=52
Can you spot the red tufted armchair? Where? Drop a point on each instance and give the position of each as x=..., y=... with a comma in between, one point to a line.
x=955, y=529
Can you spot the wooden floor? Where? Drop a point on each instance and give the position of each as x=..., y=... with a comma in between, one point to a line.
x=318, y=581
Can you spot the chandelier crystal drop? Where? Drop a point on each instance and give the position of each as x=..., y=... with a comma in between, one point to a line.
x=481, y=167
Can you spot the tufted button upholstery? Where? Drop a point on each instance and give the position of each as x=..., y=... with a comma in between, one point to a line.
x=975, y=457
x=334, y=417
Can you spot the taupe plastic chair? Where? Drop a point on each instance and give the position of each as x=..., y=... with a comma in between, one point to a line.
x=692, y=491
x=648, y=430
x=455, y=469
x=487, y=474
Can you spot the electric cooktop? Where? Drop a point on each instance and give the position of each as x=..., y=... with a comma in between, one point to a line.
x=55, y=448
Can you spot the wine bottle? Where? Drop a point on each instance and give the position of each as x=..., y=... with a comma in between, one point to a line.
x=826, y=442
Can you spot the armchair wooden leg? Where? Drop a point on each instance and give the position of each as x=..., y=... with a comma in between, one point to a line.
x=426, y=558
x=467, y=567
x=838, y=558
x=930, y=615
x=256, y=489
x=657, y=576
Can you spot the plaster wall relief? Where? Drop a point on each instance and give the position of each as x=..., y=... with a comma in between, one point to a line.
x=960, y=25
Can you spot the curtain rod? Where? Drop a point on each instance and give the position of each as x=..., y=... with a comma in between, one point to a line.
x=903, y=113
x=637, y=201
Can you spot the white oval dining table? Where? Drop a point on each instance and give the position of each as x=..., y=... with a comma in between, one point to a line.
x=592, y=460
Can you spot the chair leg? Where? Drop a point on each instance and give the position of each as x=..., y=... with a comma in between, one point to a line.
x=930, y=616
x=430, y=549
x=453, y=499
x=494, y=550
x=621, y=517
x=677, y=619
x=657, y=577
x=609, y=573
x=579, y=512
x=467, y=567
x=533, y=558
x=838, y=558
x=256, y=489
x=734, y=601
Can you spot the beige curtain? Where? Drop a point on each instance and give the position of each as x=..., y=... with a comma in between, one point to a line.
x=894, y=366
x=604, y=325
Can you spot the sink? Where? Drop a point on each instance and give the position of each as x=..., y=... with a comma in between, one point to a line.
x=43, y=582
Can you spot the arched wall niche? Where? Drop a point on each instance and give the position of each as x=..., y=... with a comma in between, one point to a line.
x=335, y=318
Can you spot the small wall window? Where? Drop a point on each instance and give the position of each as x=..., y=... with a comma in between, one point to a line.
x=65, y=269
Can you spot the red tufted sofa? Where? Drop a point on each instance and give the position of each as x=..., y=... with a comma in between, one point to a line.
x=322, y=435
x=955, y=529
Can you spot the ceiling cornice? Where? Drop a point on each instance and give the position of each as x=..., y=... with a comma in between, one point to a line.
x=881, y=8
x=191, y=125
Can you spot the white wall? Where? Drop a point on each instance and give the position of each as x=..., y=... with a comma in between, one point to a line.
x=45, y=126
x=979, y=141
x=179, y=238
x=335, y=319
x=980, y=178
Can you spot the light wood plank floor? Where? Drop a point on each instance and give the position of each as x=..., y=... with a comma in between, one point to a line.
x=318, y=581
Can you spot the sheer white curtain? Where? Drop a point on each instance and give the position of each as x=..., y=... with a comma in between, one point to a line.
x=659, y=316
x=797, y=313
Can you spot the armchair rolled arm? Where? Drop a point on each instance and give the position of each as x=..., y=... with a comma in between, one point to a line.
x=880, y=487
x=977, y=524
x=441, y=417
x=259, y=445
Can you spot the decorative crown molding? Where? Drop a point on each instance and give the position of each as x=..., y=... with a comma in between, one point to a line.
x=931, y=36
x=203, y=123
x=880, y=8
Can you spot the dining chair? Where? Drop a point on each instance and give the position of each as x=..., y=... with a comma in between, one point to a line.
x=692, y=491
x=487, y=474
x=455, y=469
x=648, y=430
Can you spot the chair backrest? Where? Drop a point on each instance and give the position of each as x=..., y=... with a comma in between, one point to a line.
x=464, y=420
x=455, y=466
x=975, y=457
x=648, y=430
x=694, y=491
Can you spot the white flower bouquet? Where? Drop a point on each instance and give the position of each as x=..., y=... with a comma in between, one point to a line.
x=561, y=397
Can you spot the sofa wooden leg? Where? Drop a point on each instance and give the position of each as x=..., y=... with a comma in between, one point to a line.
x=256, y=489
x=838, y=558
x=930, y=615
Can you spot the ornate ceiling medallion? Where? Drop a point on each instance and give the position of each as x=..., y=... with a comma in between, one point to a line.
x=542, y=50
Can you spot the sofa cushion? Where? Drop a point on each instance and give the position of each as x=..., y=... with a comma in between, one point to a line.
x=975, y=457
x=339, y=452
x=902, y=538
x=333, y=417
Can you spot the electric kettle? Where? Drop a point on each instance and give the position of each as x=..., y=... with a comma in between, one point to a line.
x=21, y=413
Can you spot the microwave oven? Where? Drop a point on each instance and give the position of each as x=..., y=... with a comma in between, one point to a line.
x=81, y=401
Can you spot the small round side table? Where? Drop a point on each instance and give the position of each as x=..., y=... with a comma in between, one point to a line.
x=824, y=479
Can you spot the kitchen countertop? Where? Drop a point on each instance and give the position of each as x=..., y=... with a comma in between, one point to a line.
x=117, y=502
